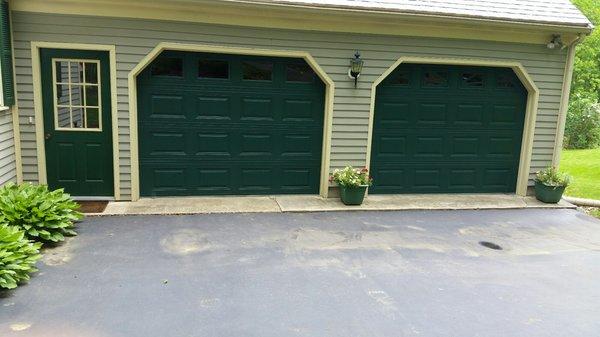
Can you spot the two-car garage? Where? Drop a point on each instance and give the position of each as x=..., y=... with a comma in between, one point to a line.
x=215, y=124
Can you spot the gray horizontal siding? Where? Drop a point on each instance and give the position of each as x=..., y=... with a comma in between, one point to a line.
x=8, y=167
x=135, y=38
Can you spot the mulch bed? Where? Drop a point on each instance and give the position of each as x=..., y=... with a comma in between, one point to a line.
x=92, y=206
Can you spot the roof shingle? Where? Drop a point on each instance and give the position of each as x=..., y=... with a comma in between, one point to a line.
x=560, y=12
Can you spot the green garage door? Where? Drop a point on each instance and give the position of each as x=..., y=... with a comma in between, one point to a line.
x=229, y=124
x=447, y=129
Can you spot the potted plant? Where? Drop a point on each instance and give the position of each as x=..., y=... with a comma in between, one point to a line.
x=550, y=185
x=353, y=184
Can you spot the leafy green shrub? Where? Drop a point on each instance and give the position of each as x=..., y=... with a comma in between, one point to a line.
x=351, y=177
x=44, y=215
x=552, y=177
x=17, y=256
x=582, y=130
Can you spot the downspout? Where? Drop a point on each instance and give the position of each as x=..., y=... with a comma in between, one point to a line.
x=564, y=102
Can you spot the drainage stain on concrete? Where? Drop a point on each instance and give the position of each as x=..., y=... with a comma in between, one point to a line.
x=185, y=242
x=20, y=326
x=60, y=255
x=209, y=302
x=318, y=239
x=386, y=303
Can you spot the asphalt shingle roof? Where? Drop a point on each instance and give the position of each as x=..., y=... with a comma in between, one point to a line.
x=559, y=12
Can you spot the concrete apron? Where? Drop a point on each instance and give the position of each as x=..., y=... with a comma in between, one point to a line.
x=311, y=203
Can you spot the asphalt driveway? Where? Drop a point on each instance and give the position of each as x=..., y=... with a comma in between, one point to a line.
x=411, y=273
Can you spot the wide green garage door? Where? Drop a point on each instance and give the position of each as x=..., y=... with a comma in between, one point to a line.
x=447, y=129
x=228, y=124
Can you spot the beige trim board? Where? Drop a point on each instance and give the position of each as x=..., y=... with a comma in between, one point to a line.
x=530, y=114
x=270, y=15
x=39, y=111
x=15, y=112
x=133, y=111
x=564, y=104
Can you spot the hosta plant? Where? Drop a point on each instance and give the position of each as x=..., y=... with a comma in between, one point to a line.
x=17, y=256
x=43, y=215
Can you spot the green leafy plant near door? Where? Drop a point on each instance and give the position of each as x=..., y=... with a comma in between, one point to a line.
x=550, y=185
x=44, y=215
x=18, y=256
x=353, y=184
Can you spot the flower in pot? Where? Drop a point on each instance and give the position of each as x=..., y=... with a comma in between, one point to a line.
x=550, y=185
x=353, y=184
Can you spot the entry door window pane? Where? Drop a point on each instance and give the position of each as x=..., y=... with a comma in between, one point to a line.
x=77, y=93
x=257, y=70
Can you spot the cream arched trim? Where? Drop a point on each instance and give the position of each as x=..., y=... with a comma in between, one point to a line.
x=328, y=113
x=39, y=111
x=530, y=114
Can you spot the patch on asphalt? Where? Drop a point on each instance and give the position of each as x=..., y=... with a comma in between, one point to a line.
x=185, y=242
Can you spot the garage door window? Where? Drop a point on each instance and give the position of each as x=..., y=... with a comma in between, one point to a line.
x=299, y=73
x=257, y=70
x=401, y=78
x=504, y=81
x=472, y=79
x=435, y=79
x=213, y=69
x=168, y=66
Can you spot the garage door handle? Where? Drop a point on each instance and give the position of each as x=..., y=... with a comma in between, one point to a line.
x=48, y=136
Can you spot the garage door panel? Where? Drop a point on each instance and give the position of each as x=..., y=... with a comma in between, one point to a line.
x=257, y=109
x=470, y=114
x=166, y=143
x=459, y=135
x=465, y=147
x=167, y=107
x=213, y=107
x=296, y=110
x=213, y=144
x=432, y=113
x=229, y=135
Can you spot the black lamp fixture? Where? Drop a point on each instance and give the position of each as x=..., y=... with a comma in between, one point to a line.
x=356, y=65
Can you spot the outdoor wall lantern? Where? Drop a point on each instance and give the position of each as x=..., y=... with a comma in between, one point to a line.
x=356, y=65
x=555, y=42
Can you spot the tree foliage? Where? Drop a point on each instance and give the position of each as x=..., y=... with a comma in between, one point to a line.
x=582, y=129
x=586, y=75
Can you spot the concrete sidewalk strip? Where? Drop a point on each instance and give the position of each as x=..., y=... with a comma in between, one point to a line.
x=314, y=203
x=413, y=202
x=194, y=205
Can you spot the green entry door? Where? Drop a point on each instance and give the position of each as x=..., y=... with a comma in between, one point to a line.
x=447, y=129
x=77, y=121
x=211, y=124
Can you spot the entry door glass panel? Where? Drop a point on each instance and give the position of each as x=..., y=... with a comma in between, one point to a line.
x=447, y=129
x=77, y=125
x=76, y=95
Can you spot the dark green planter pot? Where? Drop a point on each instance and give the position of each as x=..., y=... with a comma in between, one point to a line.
x=548, y=194
x=353, y=196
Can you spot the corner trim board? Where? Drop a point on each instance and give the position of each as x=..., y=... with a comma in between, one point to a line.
x=132, y=87
x=530, y=113
x=564, y=104
x=39, y=111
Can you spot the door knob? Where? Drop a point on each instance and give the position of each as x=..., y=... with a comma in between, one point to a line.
x=48, y=136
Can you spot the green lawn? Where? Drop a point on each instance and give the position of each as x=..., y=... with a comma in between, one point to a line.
x=584, y=167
